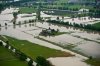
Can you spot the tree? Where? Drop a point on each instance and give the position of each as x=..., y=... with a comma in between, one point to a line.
x=7, y=42
x=1, y=43
x=23, y=57
x=5, y=24
x=7, y=46
x=30, y=63
x=62, y=18
x=20, y=55
x=1, y=7
x=41, y=61
x=15, y=15
x=57, y=18
x=0, y=25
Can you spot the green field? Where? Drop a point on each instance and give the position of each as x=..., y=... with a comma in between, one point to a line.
x=97, y=25
x=8, y=59
x=93, y=62
x=26, y=9
x=33, y=50
x=55, y=5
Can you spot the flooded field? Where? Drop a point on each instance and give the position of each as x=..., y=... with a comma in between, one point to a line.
x=77, y=38
x=86, y=42
x=73, y=37
x=70, y=61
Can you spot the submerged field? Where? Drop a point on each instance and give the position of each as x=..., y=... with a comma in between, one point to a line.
x=85, y=41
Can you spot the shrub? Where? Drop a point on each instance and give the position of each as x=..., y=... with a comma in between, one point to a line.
x=1, y=44
x=30, y=63
x=41, y=61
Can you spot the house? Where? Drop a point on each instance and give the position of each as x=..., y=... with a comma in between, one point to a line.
x=83, y=10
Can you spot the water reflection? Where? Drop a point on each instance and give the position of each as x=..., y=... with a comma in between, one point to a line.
x=30, y=25
x=19, y=26
x=74, y=28
x=6, y=27
x=14, y=26
x=25, y=25
x=67, y=27
x=0, y=28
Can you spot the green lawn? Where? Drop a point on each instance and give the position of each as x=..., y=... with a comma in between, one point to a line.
x=26, y=9
x=34, y=50
x=59, y=4
x=8, y=59
x=97, y=25
x=94, y=62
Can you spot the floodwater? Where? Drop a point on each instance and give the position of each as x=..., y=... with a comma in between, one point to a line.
x=69, y=61
x=74, y=36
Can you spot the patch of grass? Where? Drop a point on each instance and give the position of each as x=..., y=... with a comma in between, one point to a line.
x=69, y=46
x=60, y=33
x=97, y=25
x=94, y=62
x=27, y=10
x=55, y=34
x=8, y=59
x=33, y=50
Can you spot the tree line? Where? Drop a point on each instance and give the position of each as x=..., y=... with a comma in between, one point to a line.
x=88, y=26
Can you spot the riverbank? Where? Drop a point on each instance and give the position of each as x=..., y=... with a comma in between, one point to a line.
x=23, y=45
x=33, y=50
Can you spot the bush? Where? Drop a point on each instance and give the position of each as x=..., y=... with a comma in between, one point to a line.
x=23, y=57
x=30, y=63
x=7, y=42
x=91, y=27
x=1, y=44
x=41, y=61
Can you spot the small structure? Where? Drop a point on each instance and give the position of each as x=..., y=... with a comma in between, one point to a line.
x=49, y=32
x=45, y=16
x=83, y=10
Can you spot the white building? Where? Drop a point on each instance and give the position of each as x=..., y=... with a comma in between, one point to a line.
x=83, y=10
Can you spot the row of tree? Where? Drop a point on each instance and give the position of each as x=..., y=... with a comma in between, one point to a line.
x=94, y=13
x=2, y=6
x=18, y=54
x=41, y=61
x=88, y=26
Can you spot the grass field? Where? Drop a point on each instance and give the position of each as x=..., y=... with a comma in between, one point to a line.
x=33, y=50
x=27, y=10
x=58, y=4
x=8, y=59
x=93, y=62
x=97, y=25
